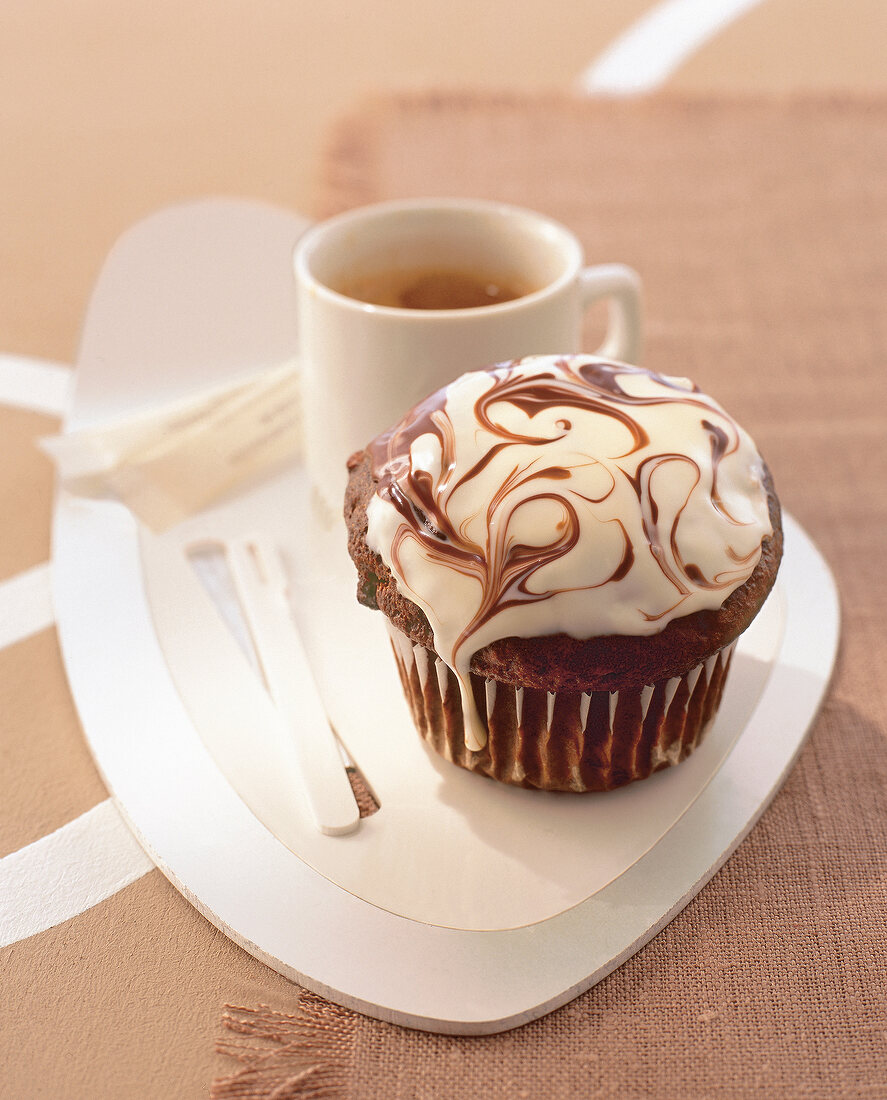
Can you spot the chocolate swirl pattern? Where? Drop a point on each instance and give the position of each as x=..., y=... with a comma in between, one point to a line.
x=564, y=494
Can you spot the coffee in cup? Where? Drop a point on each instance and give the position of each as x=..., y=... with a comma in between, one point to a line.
x=395, y=300
x=435, y=288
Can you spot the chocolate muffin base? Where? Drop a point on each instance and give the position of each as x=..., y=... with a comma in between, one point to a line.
x=562, y=740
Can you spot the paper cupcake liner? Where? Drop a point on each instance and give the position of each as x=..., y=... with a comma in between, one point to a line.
x=567, y=740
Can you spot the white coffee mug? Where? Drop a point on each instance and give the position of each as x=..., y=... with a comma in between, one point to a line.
x=364, y=365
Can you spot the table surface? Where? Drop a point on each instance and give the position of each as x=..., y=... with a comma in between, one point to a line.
x=107, y=114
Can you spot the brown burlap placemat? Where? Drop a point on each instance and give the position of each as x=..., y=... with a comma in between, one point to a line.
x=760, y=230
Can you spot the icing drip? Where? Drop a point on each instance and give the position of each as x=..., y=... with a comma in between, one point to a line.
x=563, y=494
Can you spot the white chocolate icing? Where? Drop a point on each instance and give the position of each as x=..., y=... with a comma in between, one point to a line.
x=564, y=495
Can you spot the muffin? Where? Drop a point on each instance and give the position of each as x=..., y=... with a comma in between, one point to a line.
x=566, y=550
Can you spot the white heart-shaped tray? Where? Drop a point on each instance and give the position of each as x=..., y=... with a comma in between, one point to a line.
x=462, y=905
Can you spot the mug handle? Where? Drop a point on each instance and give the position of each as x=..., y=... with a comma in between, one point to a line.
x=622, y=285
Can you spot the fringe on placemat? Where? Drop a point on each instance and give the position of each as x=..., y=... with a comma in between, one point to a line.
x=284, y=1056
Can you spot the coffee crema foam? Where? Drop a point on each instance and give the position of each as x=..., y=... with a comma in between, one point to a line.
x=567, y=495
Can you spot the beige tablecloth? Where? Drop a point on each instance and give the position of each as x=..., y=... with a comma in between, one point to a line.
x=760, y=229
